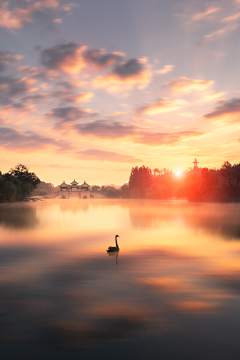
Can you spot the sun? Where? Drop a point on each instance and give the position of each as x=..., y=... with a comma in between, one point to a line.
x=178, y=173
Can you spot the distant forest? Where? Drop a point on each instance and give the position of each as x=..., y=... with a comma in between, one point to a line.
x=204, y=184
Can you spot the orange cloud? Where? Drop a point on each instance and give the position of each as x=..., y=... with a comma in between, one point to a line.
x=205, y=14
x=161, y=106
x=195, y=307
x=220, y=32
x=185, y=84
x=231, y=18
x=165, y=70
x=214, y=96
x=228, y=110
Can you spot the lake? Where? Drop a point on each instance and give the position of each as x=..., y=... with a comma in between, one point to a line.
x=172, y=291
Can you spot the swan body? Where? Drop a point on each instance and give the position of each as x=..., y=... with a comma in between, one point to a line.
x=114, y=248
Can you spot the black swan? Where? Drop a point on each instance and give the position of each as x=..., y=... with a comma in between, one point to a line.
x=114, y=248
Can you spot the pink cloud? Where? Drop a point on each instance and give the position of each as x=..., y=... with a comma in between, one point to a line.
x=205, y=14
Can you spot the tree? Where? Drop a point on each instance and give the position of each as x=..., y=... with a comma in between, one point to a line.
x=16, y=184
x=140, y=178
x=21, y=172
x=232, y=175
x=156, y=171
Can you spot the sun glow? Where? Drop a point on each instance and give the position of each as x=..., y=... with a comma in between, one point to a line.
x=178, y=173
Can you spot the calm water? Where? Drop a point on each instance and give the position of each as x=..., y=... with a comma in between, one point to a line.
x=172, y=292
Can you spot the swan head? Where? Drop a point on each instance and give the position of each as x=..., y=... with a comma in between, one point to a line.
x=117, y=236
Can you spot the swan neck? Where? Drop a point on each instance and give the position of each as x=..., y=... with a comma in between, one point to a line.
x=116, y=242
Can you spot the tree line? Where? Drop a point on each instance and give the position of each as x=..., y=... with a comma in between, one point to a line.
x=195, y=185
x=204, y=184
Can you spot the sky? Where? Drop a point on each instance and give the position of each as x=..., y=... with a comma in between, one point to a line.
x=90, y=89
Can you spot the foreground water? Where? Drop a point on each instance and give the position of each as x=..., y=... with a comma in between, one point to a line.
x=172, y=291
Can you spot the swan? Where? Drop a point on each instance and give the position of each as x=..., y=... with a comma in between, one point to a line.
x=114, y=248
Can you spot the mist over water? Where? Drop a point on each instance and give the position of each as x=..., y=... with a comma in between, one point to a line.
x=172, y=291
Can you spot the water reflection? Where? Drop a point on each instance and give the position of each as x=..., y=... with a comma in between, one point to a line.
x=18, y=217
x=172, y=286
x=220, y=219
x=114, y=255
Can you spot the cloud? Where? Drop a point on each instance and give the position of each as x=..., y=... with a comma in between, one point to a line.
x=16, y=17
x=129, y=73
x=231, y=18
x=205, y=14
x=160, y=106
x=67, y=57
x=10, y=88
x=165, y=70
x=72, y=57
x=159, y=138
x=67, y=96
x=13, y=140
x=6, y=58
x=185, y=84
x=214, y=96
x=105, y=130
x=100, y=59
x=226, y=110
x=68, y=114
x=95, y=154
x=220, y=32
x=116, y=130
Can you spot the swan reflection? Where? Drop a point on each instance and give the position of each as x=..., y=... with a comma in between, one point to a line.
x=114, y=254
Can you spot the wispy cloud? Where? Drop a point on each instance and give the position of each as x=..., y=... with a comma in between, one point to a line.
x=106, y=130
x=96, y=154
x=220, y=32
x=117, y=130
x=67, y=115
x=165, y=70
x=7, y=58
x=13, y=140
x=231, y=18
x=185, y=84
x=228, y=110
x=160, y=106
x=207, y=14
x=159, y=138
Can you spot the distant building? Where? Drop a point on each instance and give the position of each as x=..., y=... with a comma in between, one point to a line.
x=196, y=169
x=74, y=187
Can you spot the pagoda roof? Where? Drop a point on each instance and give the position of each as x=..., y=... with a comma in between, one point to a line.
x=85, y=184
x=74, y=182
x=63, y=184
